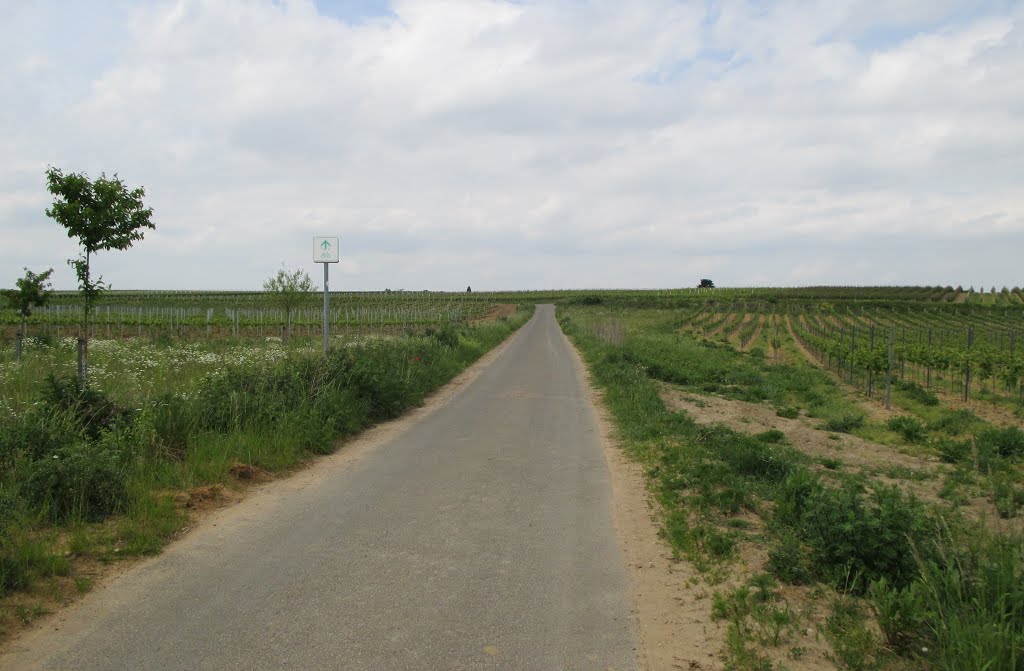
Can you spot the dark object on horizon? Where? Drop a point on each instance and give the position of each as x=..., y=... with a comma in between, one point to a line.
x=469, y=290
x=706, y=284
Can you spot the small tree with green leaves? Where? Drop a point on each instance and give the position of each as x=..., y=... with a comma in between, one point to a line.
x=33, y=291
x=103, y=214
x=290, y=290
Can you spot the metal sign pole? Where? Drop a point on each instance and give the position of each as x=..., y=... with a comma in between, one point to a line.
x=327, y=299
x=326, y=251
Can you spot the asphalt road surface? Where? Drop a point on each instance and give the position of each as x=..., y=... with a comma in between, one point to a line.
x=480, y=537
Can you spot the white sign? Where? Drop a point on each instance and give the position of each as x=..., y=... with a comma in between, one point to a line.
x=326, y=250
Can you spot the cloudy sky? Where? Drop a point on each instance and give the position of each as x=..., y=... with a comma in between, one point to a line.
x=525, y=144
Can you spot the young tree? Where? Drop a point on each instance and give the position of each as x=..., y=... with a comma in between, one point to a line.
x=290, y=290
x=33, y=291
x=103, y=214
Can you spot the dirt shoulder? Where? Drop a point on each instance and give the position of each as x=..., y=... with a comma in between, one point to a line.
x=670, y=602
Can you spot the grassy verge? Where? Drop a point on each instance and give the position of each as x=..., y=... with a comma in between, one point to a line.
x=907, y=584
x=89, y=476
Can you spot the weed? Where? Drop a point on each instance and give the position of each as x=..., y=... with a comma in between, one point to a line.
x=79, y=481
x=844, y=423
x=955, y=422
x=772, y=436
x=954, y=451
x=29, y=613
x=854, y=646
x=909, y=428
x=916, y=392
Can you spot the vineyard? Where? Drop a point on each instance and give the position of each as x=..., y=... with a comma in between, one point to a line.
x=969, y=352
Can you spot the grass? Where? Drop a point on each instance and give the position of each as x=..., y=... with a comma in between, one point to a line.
x=95, y=473
x=878, y=549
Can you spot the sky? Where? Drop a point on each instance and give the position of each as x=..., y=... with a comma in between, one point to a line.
x=524, y=144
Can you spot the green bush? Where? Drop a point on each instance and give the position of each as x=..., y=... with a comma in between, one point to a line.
x=955, y=422
x=844, y=423
x=771, y=436
x=79, y=481
x=788, y=412
x=446, y=337
x=918, y=393
x=35, y=434
x=909, y=428
x=854, y=536
x=1006, y=442
x=954, y=451
x=93, y=409
x=966, y=611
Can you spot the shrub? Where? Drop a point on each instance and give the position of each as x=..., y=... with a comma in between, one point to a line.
x=79, y=481
x=93, y=409
x=771, y=436
x=953, y=451
x=955, y=422
x=967, y=609
x=918, y=393
x=844, y=423
x=853, y=534
x=909, y=428
x=447, y=336
x=1007, y=442
x=788, y=412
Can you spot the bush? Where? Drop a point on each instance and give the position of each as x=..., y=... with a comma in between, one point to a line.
x=852, y=534
x=909, y=428
x=953, y=451
x=771, y=436
x=1007, y=442
x=93, y=409
x=844, y=423
x=39, y=432
x=967, y=610
x=955, y=422
x=446, y=337
x=788, y=412
x=80, y=481
x=918, y=393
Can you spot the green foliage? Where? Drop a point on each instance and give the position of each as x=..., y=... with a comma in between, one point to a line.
x=954, y=451
x=104, y=215
x=92, y=409
x=290, y=290
x=955, y=422
x=967, y=609
x=33, y=291
x=78, y=482
x=910, y=429
x=845, y=423
x=1006, y=442
x=854, y=646
x=853, y=535
x=917, y=393
x=788, y=412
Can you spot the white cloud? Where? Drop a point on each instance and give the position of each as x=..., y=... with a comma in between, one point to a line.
x=523, y=144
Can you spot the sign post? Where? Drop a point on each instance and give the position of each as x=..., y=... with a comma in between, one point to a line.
x=326, y=251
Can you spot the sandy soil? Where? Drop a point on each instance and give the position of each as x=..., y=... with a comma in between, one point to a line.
x=497, y=312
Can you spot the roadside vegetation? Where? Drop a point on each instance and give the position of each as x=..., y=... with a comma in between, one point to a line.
x=830, y=533
x=113, y=469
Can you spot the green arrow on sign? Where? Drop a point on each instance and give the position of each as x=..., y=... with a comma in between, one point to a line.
x=325, y=244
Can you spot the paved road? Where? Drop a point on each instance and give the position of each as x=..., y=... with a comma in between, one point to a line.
x=480, y=538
